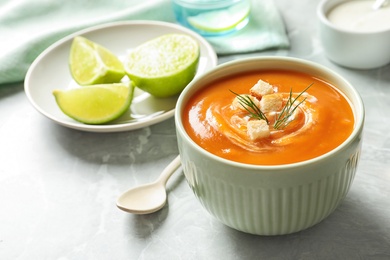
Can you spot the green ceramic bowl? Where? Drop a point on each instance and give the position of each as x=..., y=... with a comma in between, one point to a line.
x=270, y=200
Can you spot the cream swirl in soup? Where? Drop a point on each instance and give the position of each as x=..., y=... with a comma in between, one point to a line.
x=322, y=120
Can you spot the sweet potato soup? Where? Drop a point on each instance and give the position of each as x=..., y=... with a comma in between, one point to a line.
x=268, y=117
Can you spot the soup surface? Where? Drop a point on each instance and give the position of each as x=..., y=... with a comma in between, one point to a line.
x=322, y=121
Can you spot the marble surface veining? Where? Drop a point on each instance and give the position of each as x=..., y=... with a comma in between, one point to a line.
x=58, y=186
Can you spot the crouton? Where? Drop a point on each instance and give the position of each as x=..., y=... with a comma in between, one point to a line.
x=236, y=104
x=271, y=103
x=261, y=88
x=257, y=129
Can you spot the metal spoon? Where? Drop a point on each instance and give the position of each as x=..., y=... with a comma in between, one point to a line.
x=148, y=198
x=379, y=4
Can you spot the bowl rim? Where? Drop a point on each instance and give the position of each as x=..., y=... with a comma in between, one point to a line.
x=358, y=108
x=322, y=15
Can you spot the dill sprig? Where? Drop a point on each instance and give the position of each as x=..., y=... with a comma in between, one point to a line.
x=283, y=118
x=247, y=103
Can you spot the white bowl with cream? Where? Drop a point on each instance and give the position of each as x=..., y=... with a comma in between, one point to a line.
x=353, y=34
x=274, y=199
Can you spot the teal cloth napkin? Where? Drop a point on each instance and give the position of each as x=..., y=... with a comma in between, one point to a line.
x=29, y=27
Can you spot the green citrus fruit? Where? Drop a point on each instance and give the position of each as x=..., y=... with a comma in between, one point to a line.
x=165, y=65
x=91, y=63
x=95, y=104
x=222, y=20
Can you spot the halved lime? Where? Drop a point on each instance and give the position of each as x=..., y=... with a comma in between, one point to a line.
x=91, y=63
x=221, y=20
x=95, y=104
x=165, y=65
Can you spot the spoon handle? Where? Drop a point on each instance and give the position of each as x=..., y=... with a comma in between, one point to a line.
x=169, y=170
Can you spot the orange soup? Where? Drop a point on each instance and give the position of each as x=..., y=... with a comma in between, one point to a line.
x=322, y=120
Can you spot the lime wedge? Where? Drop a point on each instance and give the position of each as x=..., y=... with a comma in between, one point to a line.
x=222, y=20
x=95, y=104
x=91, y=63
x=165, y=65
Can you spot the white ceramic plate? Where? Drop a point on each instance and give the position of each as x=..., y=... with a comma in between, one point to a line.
x=50, y=71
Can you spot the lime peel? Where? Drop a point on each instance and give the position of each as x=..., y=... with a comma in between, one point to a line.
x=91, y=63
x=222, y=20
x=95, y=104
x=164, y=65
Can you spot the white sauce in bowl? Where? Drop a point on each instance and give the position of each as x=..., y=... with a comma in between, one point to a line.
x=359, y=16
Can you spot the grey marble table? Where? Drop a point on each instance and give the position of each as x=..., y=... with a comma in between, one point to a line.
x=58, y=186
